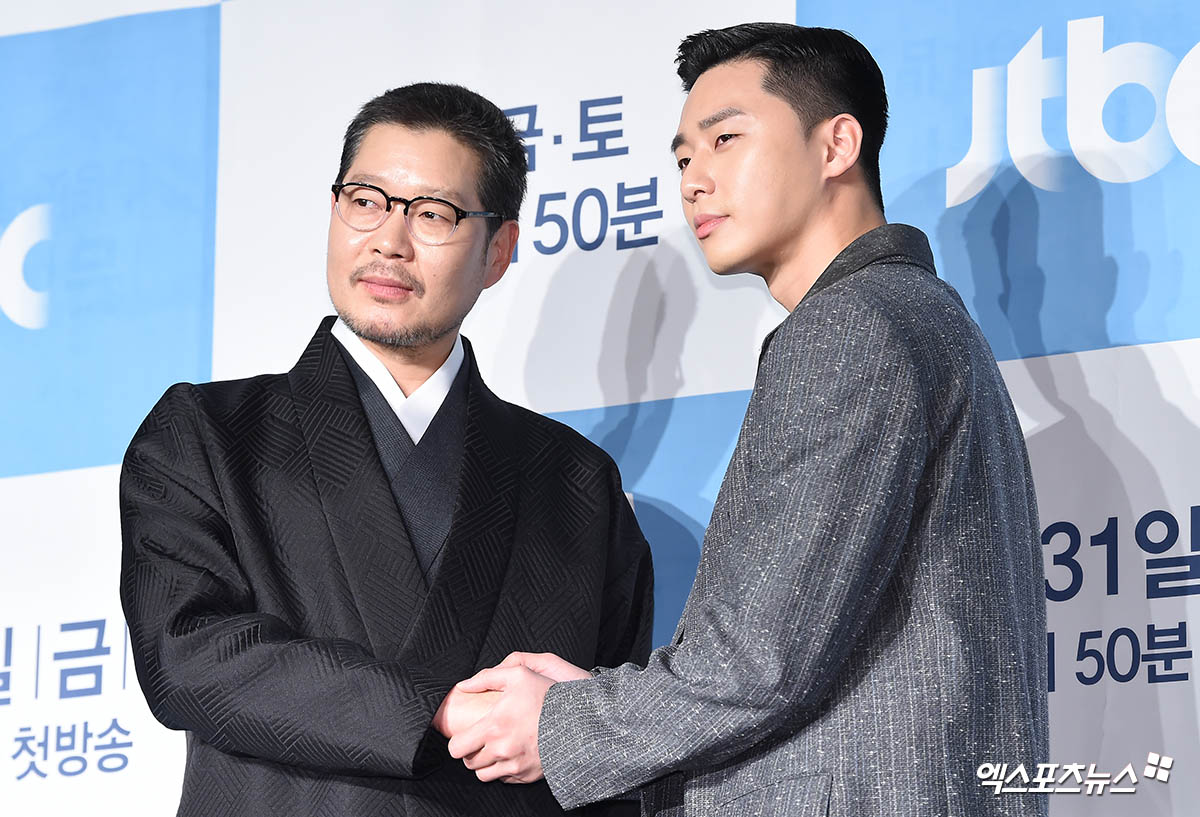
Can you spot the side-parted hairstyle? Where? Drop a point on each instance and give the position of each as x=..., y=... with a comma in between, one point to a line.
x=468, y=117
x=820, y=72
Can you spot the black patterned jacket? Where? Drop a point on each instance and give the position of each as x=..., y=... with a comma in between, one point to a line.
x=278, y=614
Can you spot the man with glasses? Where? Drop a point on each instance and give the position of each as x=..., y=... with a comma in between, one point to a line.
x=311, y=560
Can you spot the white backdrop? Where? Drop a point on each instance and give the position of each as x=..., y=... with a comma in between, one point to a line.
x=640, y=347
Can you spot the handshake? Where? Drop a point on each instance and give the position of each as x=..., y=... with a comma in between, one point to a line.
x=492, y=718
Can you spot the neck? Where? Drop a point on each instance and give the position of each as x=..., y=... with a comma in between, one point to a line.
x=410, y=366
x=839, y=224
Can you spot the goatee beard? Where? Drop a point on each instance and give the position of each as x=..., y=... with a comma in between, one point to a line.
x=407, y=337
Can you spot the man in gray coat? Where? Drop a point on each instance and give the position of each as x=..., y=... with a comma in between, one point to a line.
x=867, y=625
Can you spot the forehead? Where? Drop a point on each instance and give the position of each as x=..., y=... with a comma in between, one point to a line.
x=735, y=84
x=419, y=161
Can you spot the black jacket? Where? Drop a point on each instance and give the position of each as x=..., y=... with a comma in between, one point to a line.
x=277, y=612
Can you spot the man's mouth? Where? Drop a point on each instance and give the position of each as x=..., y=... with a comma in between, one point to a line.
x=389, y=288
x=389, y=283
x=706, y=223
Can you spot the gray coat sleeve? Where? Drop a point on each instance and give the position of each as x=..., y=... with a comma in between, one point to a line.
x=833, y=448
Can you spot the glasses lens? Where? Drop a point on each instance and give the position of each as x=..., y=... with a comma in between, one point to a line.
x=361, y=207
x=431, y=221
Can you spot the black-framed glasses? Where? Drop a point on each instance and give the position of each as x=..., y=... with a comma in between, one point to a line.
x=430, y=220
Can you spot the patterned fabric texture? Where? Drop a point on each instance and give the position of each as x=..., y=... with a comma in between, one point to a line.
x=424, y=477
x=277, y=611
x=867, y=623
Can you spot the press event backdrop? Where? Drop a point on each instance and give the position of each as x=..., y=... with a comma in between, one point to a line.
x=164, y=173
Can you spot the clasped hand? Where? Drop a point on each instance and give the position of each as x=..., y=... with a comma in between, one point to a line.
x=492, y=718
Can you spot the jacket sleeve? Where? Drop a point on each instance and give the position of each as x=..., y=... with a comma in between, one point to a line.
x=212, y=663
x=627, y=621
x=835, y=442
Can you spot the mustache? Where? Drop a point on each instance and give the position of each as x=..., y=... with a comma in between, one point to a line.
x=400, y=275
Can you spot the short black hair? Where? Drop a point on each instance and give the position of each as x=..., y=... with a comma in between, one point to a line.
x=468, y=117
x=820, y=72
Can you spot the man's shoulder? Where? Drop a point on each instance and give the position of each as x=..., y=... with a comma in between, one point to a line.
x=191, y=417
x=546, y=437
x=892, y=287
x=225, y=392
x=893, y=306
x=217, y=401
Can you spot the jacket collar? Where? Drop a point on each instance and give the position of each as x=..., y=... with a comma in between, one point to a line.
x=886, y=243
x=444, y=624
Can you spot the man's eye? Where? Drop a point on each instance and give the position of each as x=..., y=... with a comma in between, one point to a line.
x=365, y=204
x=724, y=137
x=682, y=163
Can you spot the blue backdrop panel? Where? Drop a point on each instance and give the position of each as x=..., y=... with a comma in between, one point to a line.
x=107, y=205
x=1051, y=103
x=672, y=455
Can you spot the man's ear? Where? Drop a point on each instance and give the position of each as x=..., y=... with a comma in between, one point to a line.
x=500, y=252
x=843, y=143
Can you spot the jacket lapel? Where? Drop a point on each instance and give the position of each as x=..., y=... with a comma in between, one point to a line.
x=457, y=615
x=364, y=522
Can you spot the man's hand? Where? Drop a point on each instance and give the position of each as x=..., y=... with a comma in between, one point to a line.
x=461, y=709
x=545, y=663
x=503, y=746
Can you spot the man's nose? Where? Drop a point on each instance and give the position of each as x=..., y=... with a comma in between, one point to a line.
x=392, y=239
x=696, y=181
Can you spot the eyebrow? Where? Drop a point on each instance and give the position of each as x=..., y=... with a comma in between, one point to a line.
x=379, y=181
x=707, y=122
x=365, y=177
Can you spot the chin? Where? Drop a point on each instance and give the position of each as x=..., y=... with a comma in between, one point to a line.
x=725, y=253
x=726, y=264
x=365, y=318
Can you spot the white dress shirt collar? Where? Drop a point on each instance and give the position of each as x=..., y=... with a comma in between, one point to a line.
x=416, y=411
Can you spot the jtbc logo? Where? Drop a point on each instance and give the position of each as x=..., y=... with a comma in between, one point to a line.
x=23, y=305
x=1087, y=78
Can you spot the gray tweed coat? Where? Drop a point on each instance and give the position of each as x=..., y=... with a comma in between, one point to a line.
x=867, y=624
